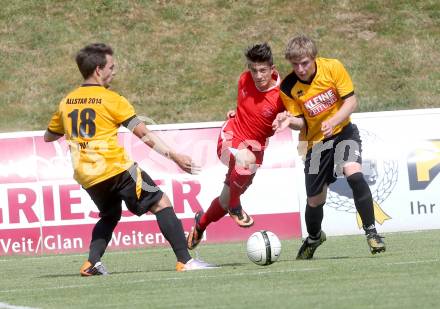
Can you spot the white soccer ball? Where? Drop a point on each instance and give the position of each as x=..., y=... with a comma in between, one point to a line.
x=263, y=248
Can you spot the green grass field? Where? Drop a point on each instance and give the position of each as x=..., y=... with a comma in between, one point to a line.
x=179, y=61
x=343, y=275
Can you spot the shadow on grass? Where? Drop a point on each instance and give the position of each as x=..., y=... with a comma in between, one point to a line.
x=232, y=264
x=361, y=257
x=136, y=271
x=58, y=276
x=112, y=273
x=219, y=267
x=326, y=258
x=338, y=258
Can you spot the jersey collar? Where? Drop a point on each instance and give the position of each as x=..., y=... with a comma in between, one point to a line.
x=90, y=85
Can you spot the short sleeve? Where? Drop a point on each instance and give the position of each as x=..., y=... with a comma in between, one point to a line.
x=56, y=124
x=280, y=105
x=291, y=105
x=343, y=82
x=121, y=109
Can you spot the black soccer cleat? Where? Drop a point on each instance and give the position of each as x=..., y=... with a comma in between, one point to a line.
x=309, y=246
x=376, y=243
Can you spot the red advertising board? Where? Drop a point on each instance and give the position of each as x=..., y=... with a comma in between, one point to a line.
x=43, y=210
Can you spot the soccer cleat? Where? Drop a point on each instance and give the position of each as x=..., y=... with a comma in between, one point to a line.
x=241, y=217
x=87, y=269
x=375, y=243
x=308, y=249
x=194, y=264
x=195, y=236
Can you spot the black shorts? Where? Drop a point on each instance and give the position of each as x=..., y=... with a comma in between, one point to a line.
x=325, y=160
x=133, y=186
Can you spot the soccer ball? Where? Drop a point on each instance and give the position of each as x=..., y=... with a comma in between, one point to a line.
x=263, y=248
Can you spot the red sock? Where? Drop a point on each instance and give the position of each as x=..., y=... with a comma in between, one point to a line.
x=238, y=183
x=214, y=213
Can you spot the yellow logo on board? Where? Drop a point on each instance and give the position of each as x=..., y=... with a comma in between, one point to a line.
x=424, y=165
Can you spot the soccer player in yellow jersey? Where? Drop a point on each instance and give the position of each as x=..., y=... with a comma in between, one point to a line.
x=89, y=118
x=319, y=99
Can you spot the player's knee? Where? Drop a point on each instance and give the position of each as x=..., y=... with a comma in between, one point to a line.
x=315, y=206
x=317, y=200
x=163, y=203
x=245, y=159
x=315, y=203
x=225, y=157
x=356, y=181
x=158, y=207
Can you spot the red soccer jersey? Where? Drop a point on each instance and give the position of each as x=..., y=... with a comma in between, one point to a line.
x=256, y=110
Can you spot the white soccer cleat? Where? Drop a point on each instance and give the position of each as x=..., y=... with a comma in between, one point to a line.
x=194, y=264
x=87, y=269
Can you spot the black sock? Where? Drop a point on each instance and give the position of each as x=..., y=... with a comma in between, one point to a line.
x=313, y=218
x=363, y=201
x=101, y=235
x=172, y=229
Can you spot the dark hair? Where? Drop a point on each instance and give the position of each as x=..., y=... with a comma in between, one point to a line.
x=259, y=53
x=92, y=56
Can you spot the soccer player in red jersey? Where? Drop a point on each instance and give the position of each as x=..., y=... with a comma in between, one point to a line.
x=243, y=139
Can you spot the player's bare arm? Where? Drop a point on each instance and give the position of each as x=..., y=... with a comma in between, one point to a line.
x=349, y=105
x=51, y=137
x=296, y=122
x=157, y=144
x=285, y=119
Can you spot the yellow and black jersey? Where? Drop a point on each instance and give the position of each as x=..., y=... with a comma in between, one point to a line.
x=89, y=117
x=318, y=100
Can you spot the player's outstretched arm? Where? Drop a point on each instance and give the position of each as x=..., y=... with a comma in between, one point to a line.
x=285, y=119
x=157, y=144
x=51, y=137
x=296, y=122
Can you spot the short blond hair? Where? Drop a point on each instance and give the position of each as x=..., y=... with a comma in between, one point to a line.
x=300, y=46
